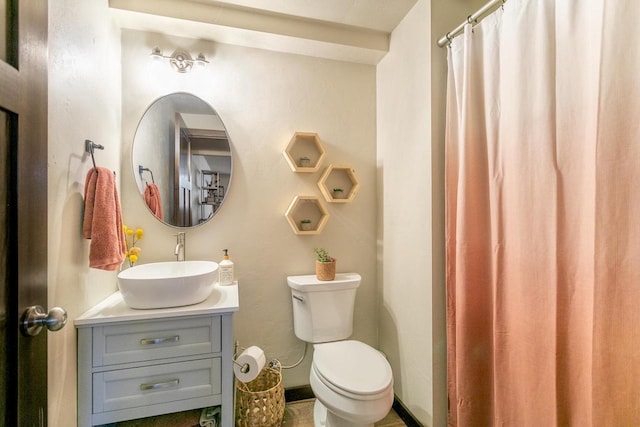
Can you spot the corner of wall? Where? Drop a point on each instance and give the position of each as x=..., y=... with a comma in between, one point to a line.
x=405, y=192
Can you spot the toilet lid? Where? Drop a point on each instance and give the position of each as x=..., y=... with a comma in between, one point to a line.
x=352, y=366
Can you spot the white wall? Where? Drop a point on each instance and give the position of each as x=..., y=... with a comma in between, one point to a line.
x=263, y=97
x=84, y=103
x=404, y=181
x=411, y=82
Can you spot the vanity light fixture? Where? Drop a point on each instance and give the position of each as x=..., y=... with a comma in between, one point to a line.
x=180, y=60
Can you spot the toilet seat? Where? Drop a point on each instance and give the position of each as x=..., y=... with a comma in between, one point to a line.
x=352, y=369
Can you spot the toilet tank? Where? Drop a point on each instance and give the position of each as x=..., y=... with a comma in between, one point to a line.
x=323, y=310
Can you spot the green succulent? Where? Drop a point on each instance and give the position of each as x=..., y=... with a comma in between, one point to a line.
x=322, y=255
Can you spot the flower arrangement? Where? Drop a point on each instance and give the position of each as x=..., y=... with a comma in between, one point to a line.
x=131, y=237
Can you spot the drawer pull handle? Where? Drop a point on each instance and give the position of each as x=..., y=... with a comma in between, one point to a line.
x=157, y=386
x=153, y=341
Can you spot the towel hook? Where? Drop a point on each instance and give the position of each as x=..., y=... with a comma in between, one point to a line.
x=89, y=146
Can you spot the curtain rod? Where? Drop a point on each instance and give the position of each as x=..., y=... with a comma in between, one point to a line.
x=446, y=39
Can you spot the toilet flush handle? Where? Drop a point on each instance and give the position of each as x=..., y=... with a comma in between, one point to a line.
x=298, y=297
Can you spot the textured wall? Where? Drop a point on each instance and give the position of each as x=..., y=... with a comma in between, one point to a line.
x=264, y=97
x=84, y=103
x=404, y=168
x=411, y=104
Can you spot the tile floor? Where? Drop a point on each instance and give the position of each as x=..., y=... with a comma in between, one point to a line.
x=296, y=414
x=300, y=414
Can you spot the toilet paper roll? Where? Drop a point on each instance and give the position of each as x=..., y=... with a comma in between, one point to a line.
x=249, y=364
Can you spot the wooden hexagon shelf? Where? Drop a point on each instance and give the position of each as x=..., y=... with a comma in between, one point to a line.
x=305, y=152
x=339, y=177
x=307, y=208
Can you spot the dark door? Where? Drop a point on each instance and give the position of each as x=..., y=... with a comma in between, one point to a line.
x=23, y=212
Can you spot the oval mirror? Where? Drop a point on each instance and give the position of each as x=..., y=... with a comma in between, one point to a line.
x=181, y=157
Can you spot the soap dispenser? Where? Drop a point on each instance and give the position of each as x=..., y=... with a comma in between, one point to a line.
x=226, y=269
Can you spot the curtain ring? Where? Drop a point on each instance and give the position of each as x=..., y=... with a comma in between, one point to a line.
x=449, y=38
x=470, y=21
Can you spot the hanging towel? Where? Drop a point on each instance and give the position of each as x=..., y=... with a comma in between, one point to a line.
x=152, y=199
x=103, y=220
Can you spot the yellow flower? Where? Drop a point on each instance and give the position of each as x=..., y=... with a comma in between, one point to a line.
x=131, y=237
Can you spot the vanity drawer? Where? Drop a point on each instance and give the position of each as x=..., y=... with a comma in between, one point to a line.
x=157, y=384
x=153, y=340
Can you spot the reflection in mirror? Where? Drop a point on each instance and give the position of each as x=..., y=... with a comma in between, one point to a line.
x=181, y=159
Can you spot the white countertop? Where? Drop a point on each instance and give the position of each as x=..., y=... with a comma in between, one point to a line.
x=223, y=299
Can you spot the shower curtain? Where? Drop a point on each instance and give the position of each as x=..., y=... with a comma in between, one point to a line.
x=543, y=216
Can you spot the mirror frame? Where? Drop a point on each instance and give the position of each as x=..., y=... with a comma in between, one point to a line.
x=138, y=168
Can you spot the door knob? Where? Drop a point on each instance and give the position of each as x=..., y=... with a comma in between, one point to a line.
x=34, y=318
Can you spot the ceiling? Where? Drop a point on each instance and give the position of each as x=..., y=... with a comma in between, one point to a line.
x=350, y=30
x=382, y=15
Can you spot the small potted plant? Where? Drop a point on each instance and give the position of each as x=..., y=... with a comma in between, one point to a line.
x=305, y=225
x=325, y=265
x=304, y=162
x=338, y=193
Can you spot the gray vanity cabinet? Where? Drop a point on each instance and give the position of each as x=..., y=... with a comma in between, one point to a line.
x=141, y=363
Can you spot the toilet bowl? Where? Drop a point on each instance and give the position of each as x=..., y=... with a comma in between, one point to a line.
x=353, y=384
x=352, y=381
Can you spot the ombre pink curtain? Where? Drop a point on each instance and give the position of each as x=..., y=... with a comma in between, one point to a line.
x=543, y=216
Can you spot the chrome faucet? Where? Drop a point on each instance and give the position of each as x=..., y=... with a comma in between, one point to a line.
x=180, y=248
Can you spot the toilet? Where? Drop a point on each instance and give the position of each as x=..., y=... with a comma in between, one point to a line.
x=352, y=381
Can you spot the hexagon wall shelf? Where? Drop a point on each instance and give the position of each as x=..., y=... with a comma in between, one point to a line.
x=305, y=152
x=307, y=208
x=339, y=176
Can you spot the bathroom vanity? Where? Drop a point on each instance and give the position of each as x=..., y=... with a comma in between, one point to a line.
x=141, y=363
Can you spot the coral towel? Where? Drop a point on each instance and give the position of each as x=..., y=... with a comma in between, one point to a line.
x=152, y=199
x=103, y=220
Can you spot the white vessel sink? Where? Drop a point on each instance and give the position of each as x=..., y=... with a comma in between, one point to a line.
x=167, y=284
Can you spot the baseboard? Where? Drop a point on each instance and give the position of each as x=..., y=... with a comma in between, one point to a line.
x=304, y=392
x=293, y=394
x=404, y=414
